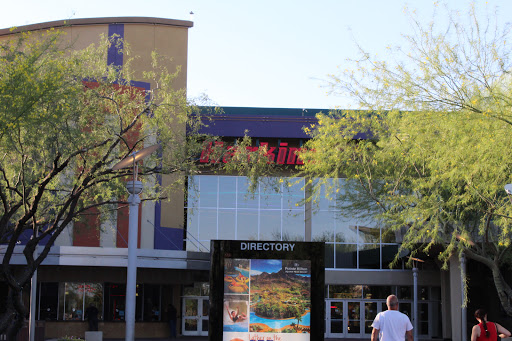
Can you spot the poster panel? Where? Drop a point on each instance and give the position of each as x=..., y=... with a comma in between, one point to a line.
x=270, y=291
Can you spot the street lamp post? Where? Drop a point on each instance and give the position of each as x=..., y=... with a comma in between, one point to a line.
x=33, y=307
x=134, y=187
x=415, y=296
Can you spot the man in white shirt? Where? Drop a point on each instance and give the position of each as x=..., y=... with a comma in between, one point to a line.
x=391, y=325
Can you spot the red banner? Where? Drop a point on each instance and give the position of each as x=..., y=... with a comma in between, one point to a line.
x=280, y=155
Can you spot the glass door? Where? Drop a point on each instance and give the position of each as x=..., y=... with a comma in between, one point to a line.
x=350, y=318
x=195, y=316
x=334, y=319
x=370, y=312
x=353, y=320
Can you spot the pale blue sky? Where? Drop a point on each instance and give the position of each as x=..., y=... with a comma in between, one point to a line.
x=265, y=53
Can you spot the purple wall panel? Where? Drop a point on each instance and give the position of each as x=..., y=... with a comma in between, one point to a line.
x=115, y=55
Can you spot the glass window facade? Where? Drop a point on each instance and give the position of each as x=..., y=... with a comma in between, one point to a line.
x=354, y=240
x=68, y=301
x=222, y=207
x=75, y=297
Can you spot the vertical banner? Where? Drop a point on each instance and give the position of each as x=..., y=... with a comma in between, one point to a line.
x=266, y=291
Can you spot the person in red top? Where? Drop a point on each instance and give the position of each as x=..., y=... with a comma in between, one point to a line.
x=485, y=331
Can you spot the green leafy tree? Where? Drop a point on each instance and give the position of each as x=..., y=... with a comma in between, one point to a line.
x=65, y=119
x=427, y=156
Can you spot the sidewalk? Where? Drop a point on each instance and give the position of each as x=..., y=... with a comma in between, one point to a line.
x=205, y=338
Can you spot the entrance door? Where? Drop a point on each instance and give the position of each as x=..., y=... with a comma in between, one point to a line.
x=350, y=318
x=195, y=316
x=334, y=319
x=353, y=319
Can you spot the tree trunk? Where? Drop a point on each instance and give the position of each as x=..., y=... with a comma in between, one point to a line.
x=503, y=290
x=14, y=318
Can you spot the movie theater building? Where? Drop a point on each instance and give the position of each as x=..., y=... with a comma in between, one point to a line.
x=88, y=265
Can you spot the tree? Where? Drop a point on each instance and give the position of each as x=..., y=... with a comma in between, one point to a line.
x=65, y=119
x=427, y=154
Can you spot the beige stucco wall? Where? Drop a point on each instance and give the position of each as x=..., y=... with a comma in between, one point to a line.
x=168, y=38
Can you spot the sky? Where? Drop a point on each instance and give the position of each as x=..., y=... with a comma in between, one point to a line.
x=265, y=53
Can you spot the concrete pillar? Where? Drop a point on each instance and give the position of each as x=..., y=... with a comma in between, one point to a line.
x=446, y=316
x=456, y=294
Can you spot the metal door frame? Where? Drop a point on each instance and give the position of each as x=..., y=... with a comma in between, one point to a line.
x=200, y=317
x=345, y=333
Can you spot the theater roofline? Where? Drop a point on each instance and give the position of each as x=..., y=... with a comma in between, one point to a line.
x=96, y=21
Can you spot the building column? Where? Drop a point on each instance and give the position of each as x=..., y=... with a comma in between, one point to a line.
x=446, y=317
x=456, y=299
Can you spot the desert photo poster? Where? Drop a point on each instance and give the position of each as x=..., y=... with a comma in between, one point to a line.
x=266, y=299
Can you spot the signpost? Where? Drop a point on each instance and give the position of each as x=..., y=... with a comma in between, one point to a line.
x=266, y=290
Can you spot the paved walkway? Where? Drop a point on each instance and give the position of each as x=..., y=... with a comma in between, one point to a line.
x=205, y=338
x=197, y=338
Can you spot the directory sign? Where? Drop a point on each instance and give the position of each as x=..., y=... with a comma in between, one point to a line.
x=271, y=291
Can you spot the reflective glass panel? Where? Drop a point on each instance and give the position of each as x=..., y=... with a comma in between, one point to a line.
x=369, y=256
x=152, y=303
x=271, y=197
x=368, y=232
x=270, y=225
x=73, y=301
x=388, y=254
x=190, y=325
x=354, y=317
x=322, y=226
x=208, y=191
x=245, y=198
x=424, y=328
x=206, y=307
x=193, y=223
x=247, y=224
x=423, y=293
x=293, y=225
x=405, y=308
x=424, y=312
x=293, y=193
x=377, y=291
x=48, y=298
x=205, y=290
x=192, y=290
x=329, y=256
x=336, y=309
x=191, y=306
x=370, y=312
x=207, y=224
x=405, y=292
x=345, y=291
x=227, y=223
x=227, y=192
x=94, y=296
x=346, y=256
x=325, y=199
x=391, y=236
x=345, y=230
x=436, y=293
x=193, y=191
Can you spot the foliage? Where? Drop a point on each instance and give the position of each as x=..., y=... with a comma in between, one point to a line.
x=65, y=119
x=427, y=153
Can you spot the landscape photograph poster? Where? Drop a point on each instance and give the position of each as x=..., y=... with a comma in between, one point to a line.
x=266, y=300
